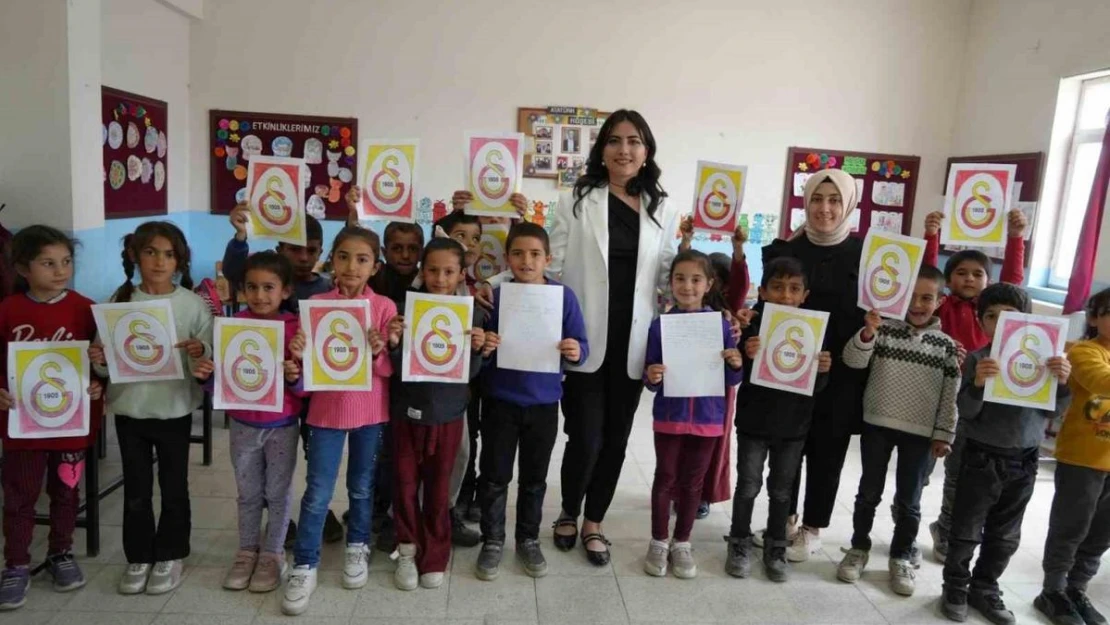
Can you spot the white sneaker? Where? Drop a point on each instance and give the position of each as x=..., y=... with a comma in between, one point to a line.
x=655, y=563
x=298, y=590
x=804, y=544
x=431, y=580
x=164, y=577
x=902, y=576
x=682, y=561
x=405, y=577
x=356, y=567
x=133, y=581
x=792, y=528
x=851, y=567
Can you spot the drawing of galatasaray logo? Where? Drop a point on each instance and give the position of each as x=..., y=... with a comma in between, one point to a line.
x=340, y=352
x=247, y=370
x=49, y=397
x=140, y=345
x=436, y=345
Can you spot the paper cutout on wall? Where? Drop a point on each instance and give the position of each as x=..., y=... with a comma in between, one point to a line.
x=888, y=193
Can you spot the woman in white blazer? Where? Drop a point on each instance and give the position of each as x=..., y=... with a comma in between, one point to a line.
x=612, y=241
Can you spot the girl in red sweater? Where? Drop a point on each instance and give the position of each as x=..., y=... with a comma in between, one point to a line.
x=42, y=309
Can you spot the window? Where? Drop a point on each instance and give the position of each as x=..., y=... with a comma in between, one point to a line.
x=1085, y=145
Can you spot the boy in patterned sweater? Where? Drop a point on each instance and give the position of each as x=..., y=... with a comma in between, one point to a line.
x=909, y=404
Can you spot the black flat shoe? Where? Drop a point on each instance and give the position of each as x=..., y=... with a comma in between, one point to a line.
x=596, y=558
x=565, y=543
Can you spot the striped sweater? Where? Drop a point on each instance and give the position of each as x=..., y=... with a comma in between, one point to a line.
x=913, y=381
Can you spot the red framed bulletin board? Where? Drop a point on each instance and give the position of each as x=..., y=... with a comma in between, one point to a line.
x=1030, y=171
x=886, y=185
x=136, y=155
x=328, y=145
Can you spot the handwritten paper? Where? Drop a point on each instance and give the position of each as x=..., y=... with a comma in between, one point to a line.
x=977, y=198
x=530, y=323
x=139, y=339
x=48, y=382
x=692, y=346
x=387, y=174
x=886, y=221
x=1022, y=345
x=887, y=272
x=494, y=168
x=250, y=371
x=436, y=346
x=718, y=196
x=336, y=347
x=790, y=340
x=888, y=193
x=275, y=192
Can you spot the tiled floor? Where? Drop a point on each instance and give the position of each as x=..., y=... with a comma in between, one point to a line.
x=573, y=592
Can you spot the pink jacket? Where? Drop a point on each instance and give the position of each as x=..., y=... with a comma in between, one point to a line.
x=294, y=393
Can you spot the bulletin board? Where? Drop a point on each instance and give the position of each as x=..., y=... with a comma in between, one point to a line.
x=136, y=156
x=1030, y=171
x=885, y=183
x=557, y=141
x=328, y=145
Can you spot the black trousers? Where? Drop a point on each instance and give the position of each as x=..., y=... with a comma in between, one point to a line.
x=468, y=493
x=825, y=450
x=991, y=495
x=598, y=409
x=506, y=426
x=139, y=441
x=751, y=455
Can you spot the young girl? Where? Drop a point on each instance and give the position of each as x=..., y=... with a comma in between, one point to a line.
x=336, y=416
x=42, y=309
x=427, y=421
x=264, y=444
x=154, y=419
x=686, y=428
x=1079, y=524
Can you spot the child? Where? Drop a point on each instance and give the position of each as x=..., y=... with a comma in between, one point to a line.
x=154, y=419
x=770, y=423
x=428, y=427
x=686, y=428
x=42, y=309
x=909, y=404
x=522, y=408
x=337, y=416
x=1079, y=524
x=967, y=273
x=1001, y=447
x=264, y=444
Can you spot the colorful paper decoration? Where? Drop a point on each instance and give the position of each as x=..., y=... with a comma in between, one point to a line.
x=139, y=341
x=436, y=346
x=135, y=128
x=386, y=174
x=790, y=340
x=718, y=196
x=1022, y=345
x=336, y=355
x=977, y=198
x=276, y=199
x=887, y=271
x=48, y=382
x=250, y=372
x=494, y=167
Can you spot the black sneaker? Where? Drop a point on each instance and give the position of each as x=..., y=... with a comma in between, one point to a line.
x=531, y=557
x=333, y=529
x=1083, y=606
x=1058, y=608
x=738, y=561
x=489, y=561
x=703, y=510
x=461, y=535
x=774, y=562
x=953, y=603
x=991, y=606
x=291, y=535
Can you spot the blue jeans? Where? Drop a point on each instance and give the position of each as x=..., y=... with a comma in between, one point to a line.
x=325, y=452
x=876, y=445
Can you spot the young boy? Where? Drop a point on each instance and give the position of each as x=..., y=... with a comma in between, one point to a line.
x=967, y=273
x=1001, y=446
x=909, y=404
x=773, y=423
x=522, y=408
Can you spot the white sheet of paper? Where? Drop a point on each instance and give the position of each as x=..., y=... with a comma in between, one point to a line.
x=800, y=179
x=530, y=324
x=797, y=218
x=692, y=345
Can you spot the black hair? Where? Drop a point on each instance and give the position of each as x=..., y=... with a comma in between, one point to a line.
x=784, y=267
x=136, y=242
x=527, y=229
x=962, y=256
x=1097, y=306
x=645, y=181
x=444, y=245
x=402, y=227
x=358, y=232
x=455, y=218
x=1003, y=294
x=722, y=266
x=714, y=298
x=313, y=231
x=929, y=272
x=28, y=243
x=273, y=262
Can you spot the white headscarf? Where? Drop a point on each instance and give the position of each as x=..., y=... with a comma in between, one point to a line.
x=847, y=187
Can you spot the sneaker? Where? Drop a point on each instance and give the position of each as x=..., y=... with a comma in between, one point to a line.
x=291, y=535
x=474, y=512
x=405, y=576
x=791, y=529
x=851, y=567
x=655, y=563
x=298, y=590
x=14, y=583
x=133, y=581
x=1058, y=607
x=804, y=544
x=953, y=603
x=461, y=535
x=165, y=576
x=268, y=572
x=1083, y=606
x=239, y=576
x=431, y=580
x=531, y=557
x=738, y=561
x=940, y=541
x=489, y=561
x=991, y=606
x=703, y=510
x=682, y=560
x=67, y=575
x=774, y=563
x=333, y=529
x=356, y=565
x=902, y=577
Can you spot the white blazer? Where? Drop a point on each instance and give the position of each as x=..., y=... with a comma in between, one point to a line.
x=580, y=255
